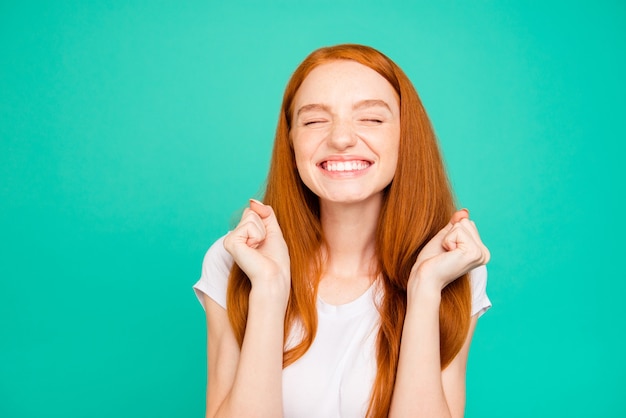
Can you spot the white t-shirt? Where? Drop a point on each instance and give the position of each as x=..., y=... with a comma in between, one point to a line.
x=334, y=377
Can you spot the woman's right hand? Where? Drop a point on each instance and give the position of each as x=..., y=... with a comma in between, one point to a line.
x=259, y=249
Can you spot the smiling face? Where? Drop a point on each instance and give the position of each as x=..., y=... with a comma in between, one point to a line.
x=346, y=132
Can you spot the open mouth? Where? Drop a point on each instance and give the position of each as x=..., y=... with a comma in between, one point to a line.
x=356, y=165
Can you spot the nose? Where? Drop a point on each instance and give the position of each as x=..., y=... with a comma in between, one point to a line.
x=342, y=135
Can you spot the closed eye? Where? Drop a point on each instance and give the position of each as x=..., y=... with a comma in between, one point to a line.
x=313, y=122
x=374, y=121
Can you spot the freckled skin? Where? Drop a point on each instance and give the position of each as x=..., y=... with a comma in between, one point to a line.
x=346, y=112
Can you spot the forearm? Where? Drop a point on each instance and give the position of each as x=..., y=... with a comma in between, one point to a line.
x=418, y=390
x=257, y=388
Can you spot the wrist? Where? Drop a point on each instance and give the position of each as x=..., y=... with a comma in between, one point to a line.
x=423, y=291
x=273, y=297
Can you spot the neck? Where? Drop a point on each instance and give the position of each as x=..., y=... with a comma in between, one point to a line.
x=350, y=236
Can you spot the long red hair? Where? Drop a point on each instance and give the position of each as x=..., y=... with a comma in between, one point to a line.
x=417, y=204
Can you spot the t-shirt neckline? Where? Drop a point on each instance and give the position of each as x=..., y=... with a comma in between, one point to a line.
x=360, y=304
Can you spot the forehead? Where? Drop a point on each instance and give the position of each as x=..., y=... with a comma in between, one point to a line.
x=344, y=80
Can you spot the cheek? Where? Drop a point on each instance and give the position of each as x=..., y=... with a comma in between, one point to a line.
x=301, y=167
x=299, y=154
x=305, y=172
x=393, y=151
x=303, y=149
x=303, y=157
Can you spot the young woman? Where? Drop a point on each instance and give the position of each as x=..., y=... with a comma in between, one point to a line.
x=353, y=290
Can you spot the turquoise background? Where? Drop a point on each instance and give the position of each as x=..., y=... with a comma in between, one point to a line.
x=132, y=132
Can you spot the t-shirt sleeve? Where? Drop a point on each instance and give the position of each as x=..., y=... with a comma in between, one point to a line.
x=215, y=271
x=478, y=281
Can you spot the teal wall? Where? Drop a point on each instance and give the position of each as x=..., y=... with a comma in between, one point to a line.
x=133, y=131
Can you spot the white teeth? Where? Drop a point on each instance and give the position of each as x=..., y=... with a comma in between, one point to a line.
x=346, y=165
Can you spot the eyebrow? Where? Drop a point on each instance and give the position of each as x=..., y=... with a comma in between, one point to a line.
x=372, y=103
x=358, y=105
x=313, y=106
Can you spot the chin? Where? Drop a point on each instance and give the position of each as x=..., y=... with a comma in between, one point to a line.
x=351, y=198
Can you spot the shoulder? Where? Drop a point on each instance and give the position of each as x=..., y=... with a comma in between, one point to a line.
x=217, y=257
x=216, y=268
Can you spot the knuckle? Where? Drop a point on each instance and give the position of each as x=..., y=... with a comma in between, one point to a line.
x=487, y=255
x=475, y=254
x=228, y=241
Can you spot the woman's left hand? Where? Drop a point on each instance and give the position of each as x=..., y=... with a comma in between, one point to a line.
x=454, y=251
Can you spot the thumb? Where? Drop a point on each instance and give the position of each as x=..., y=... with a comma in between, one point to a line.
x=266, y=213
x=262, y=210
x=456, y=217
x=459, y=215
